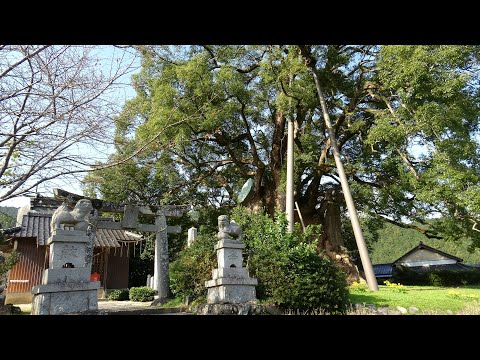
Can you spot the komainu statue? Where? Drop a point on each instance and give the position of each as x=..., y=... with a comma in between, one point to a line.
x=76, y=217
x=228, y=230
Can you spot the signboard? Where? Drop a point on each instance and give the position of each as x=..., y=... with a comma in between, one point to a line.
x=247, y=191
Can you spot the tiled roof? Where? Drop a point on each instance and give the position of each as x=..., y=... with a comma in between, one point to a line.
x=38, y=225
x=382, y=270
x=426, y=247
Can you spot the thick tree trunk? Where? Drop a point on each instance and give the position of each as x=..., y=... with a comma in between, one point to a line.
x=331, y=242
x=270, y=196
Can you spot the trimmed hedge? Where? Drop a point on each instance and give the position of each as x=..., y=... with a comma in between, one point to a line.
x=408, y=276
x=142, y=293
x=118, y=295
x=289, y=270
x=193, y=267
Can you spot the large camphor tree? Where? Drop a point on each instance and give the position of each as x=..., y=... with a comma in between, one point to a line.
x=207, y=118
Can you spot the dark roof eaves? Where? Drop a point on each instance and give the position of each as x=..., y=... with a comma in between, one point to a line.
x=422, y=245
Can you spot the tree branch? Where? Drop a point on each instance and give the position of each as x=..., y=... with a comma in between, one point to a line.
x=425, y=232
x=25, y=58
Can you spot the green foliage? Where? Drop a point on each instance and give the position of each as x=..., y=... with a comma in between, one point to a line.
x=287, y=266
x=193, y=267
x=453, y=278
x=206, y=118
x=173, y=303
x=394, y=241
x=139, y=269
x=8, y=217
x=148, y=251
x=142, y=293
x=119, y=295
x=463, y=296
x=10, y=260
x=436, y=277
x=359, y=287
x=395, y=286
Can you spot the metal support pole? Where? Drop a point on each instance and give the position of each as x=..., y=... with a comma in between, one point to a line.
x=289, y=201
x=362, y=247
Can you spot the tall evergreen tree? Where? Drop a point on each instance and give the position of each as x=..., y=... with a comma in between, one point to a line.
x=207, y=118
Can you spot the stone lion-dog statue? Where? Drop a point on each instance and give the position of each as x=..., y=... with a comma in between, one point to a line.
x=228, y=230
x=76, y=217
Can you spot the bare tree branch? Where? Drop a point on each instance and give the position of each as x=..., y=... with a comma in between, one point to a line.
x=56, y=102
x=18, y=63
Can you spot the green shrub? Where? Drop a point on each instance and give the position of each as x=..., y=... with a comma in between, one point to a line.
x=118, y=295
x=453, y=277
x=193, y=267
x=287, y=266
x=9, y=262
x=407, y=276
x=359, y=287
x=289, y=270
x=142, y=293
x=434, y=277
x=396, y=287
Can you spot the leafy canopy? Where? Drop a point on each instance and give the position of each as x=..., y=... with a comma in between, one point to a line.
x=207, y=118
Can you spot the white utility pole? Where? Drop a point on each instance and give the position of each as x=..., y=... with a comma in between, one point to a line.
x=362, y=247
x=289, y=202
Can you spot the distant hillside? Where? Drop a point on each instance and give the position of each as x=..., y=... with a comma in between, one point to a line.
x=394, y=241
x=8, y=216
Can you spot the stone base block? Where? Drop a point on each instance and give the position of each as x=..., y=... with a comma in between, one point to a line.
x=67, y=252
x=229, y=258
x=58, y=302
x=60, y=235
x=231, y=281
x=65, y=275
x=231, y=244
x=233, y=294
x=240, y=273
x=69, y=286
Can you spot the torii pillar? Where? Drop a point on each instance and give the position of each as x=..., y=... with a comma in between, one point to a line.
x=161, y=272
x=161, y=275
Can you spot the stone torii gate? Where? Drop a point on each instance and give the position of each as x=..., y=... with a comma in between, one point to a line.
x=130, y=222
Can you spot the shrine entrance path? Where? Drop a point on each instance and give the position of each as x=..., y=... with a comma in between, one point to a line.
x=106, y=307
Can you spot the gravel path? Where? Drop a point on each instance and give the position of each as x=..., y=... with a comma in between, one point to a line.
x=106, y=307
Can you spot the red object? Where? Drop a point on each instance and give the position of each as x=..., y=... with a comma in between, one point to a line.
x=95, y=277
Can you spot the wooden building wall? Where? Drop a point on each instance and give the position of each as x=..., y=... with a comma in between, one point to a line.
x=113, y=267
x=117, y=270
x=28, y=271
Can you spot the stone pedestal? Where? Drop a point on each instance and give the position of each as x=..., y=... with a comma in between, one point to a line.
x=230, y=281
x=66, y=290
x=192, y=236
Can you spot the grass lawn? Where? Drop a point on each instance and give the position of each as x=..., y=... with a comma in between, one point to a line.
x=425, y=298
x=173, y=303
